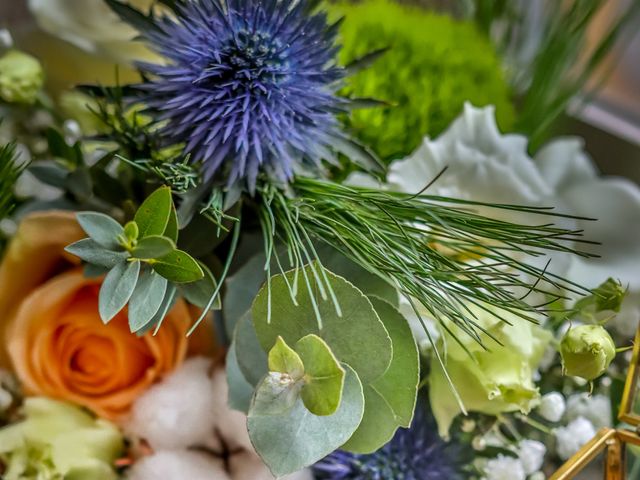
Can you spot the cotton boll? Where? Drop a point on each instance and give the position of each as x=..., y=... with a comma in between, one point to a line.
x=178, y=465
x=180, y=412
x=231, y=425
x=570, y=438
x=595, y=408
x=531, y=454
x=552, y=406
x=248, y=466
x=504, y=468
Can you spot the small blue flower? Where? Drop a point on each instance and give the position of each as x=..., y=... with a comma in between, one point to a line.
x=248, y=86
x=417, y=453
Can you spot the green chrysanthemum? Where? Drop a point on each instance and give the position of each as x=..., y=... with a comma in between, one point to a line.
x=434, y=65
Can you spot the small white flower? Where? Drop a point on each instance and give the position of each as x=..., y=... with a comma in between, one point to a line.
x=531, y=453
x=569, y=439
x=179, y=412
x=552, y=406
x=6, y=40
x=595, y=408
x=538, y=476
x=504, y=468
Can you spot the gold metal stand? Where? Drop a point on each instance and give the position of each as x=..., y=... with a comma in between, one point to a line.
x=610, y=441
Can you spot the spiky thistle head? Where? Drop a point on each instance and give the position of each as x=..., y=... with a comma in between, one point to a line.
x=247, y=86
x=417, y=453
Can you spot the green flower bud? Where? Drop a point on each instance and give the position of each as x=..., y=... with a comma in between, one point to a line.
x=21, y=77
x=587, y=351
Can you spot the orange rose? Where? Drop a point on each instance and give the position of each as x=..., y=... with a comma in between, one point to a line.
x=50, y=326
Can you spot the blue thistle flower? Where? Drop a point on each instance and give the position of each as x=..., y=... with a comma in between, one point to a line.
x=417, y=453
x=248, y=86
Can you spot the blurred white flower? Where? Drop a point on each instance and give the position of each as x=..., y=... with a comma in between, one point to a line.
x=487, y=166
x=569, y=439
x=6, y=40
x=595, y=408
x=552, y=406
x=91, y=26
x=504, y=468
x=627, y=319
x=531, y=454
x=179, y=412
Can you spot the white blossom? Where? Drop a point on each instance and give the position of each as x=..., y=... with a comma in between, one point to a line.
x=571, y=438
x=552, y=406
x=504, y=468
x=531, y=453
x=178, y=465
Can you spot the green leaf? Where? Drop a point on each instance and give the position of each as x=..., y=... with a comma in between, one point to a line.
x=101, y=228
x=146, y=300
x=282, y=358
x=323, y=376
x=93, y=271
x=240, y=390
x=389, y=400
x=49, y=172
x=167, y=303
x=79, y=183
x=179, y=267
x=153, y=215
x=356, y=337
x=153, y=246
x=199, y=293
x=172, y=225
x=252, y=359
x=276, y=394
x=296, y=438
x=117, y=288
x=90, y=251
x=131, y=231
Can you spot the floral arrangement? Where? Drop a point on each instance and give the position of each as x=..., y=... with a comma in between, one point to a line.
x=292, y=240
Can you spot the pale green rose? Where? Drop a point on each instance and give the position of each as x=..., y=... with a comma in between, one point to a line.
x=56, y=441
x=491, y=381
x=21, y=77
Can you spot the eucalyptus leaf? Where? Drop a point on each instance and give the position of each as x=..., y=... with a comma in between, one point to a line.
x=252, y=359
x=199, y=293
x=90, y=251
x=168, y=301
x=101, y=228
x=391, y=399
x=146, y=300
x=242, y=288
x=179, y=267
x=153, y=246
x=117, y=288
x=297, y=438
x=323, y=376
x=49, y=172
x=284, y=359
x=356, y=337
x=276, y=394
x=240, y=390
x=93, y=271
x=79, y=183
x=153, y=215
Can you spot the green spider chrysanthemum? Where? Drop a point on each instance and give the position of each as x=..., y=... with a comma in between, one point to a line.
x=434, y=65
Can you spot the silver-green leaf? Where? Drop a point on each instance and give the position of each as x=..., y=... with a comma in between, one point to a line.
x=91, y=252
x=101, y=228
x=117, y=289
x=146, y=299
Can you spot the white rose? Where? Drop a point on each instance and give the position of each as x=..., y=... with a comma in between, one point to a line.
x=91, y=26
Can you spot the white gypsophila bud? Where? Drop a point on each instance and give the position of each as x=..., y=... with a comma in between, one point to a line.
x=595, y=408
x=6, y=399
x=569, y=439
x=72, y=131
x=531, y=453
x=552, y=406
x=504, y=468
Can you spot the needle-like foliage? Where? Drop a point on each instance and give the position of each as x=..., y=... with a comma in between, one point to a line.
x=10, y=170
